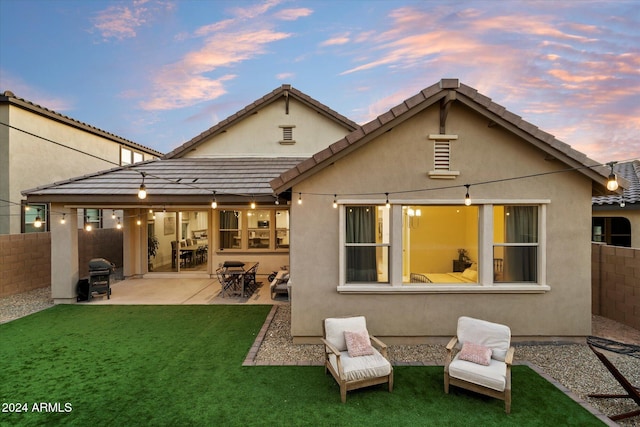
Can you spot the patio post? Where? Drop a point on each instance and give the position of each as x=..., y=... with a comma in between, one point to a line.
x=64, y=256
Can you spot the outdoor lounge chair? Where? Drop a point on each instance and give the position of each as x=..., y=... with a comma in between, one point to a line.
x=483, y=364
x=280, y=285
x=632, y=391
x=355, y=359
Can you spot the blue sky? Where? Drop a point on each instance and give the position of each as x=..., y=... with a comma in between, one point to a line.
x=161, y=72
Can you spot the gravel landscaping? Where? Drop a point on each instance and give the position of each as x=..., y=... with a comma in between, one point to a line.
x=572, y=365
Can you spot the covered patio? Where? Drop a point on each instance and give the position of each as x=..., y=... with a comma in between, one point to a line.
x=177, y=291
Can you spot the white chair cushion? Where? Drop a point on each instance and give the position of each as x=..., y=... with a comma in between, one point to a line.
x=334, y=329
x=493, y=376
x=361, y=367
x=488, y=334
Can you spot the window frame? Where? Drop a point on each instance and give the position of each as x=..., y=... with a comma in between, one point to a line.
x=485, y=282
x=245, y=229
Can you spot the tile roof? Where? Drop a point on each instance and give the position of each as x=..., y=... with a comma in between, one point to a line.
x=631, y=172
x=457, y=91
x=284, y=90
x=9, y=98
x=169, y=181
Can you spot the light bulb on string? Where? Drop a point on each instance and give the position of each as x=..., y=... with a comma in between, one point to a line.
x=214, y=202
x=612, y=182
x=335, y=201
x=142, y=191
x=38, y=221
x=63, y=220
x=299, y=198
x=387, y=204
x=467, y=198
x=119, y=224
x=88, y=226
x=113, y=214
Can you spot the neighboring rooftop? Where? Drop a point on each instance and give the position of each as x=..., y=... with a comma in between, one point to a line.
x=9, y=97
x=631, y=172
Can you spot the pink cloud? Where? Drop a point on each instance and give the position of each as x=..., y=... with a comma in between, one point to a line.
x=338, y=40
x=121, y=22
x=293, y=14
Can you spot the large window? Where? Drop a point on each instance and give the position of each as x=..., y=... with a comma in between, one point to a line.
x=440, y=244
x=515, y=248
x=254, y=229
x=367, y=244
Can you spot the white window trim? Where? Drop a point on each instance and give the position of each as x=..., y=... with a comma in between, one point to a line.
x=485, y=228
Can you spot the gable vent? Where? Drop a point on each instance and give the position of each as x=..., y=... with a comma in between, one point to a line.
x=287, y=135
x=442, y=157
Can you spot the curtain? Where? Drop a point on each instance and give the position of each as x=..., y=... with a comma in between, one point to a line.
x=228, y=221
x=361, y=228
x=520, y=262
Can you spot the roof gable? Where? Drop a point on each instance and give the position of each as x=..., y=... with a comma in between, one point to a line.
x=285, y=92
x=445, y=92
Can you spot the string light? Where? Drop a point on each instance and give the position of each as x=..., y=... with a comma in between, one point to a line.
x=299, y=198
x=387, y=204
x=38, y=221
x=622, y=204
x=253, y=204
x=119, y=224
x=113, y=214
x=88, y=226
x=214, y=202
x=467, y=199
x=612, y=183
x=139, y=221
x=63, y=220
x=142, y=191
x=335, y=201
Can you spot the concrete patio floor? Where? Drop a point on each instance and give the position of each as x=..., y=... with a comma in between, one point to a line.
x=169, y=291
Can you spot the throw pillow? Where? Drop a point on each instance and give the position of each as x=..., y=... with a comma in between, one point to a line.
x=475, y=353
x=358, y=343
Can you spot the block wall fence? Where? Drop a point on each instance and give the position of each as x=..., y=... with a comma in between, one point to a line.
x=615, y=283
x=25, y=259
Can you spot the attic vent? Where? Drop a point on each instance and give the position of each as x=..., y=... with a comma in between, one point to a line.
x=287, y=135
x=442, y=157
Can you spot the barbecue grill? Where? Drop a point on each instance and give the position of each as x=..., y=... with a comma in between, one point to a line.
x=100, y=271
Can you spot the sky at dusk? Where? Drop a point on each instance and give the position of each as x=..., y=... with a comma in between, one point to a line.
x=161, y=72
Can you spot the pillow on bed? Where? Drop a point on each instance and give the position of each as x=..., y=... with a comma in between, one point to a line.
x=358, y=343
x=470, y=275
x=476, y=353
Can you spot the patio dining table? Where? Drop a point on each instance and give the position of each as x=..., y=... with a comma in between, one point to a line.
x=236, y=273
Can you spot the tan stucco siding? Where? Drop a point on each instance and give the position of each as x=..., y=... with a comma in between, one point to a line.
x=398, y=161
x=261, y=133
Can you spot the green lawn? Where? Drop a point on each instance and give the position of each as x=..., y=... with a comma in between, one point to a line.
x=182, y=366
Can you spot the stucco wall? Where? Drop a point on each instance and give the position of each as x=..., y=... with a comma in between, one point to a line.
x=616, y=283
x=630, y=212
x=259, y=134
x=399, y=160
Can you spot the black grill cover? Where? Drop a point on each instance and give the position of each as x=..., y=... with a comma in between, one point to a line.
x=101, y=264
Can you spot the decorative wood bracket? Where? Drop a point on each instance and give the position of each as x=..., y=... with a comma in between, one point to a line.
x=286, y=102
x=445, y=104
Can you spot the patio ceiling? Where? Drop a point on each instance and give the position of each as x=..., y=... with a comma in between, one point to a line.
x=171, y=182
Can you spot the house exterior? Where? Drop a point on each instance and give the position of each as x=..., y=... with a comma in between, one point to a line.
x=616, y=218
x=208, y=201
x=383, y=229
x=39, y=146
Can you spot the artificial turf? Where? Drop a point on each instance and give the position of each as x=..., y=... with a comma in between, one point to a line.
x=182, y=366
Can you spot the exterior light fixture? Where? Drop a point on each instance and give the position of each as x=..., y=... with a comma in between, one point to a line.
x=214, y=202
x=113, y=214
x=139, y=221
x=299, y=198
x=142, y=191
x=622, y=203
x=612, y=183
x=253, y=204
x=88, y=227
x=119, y=224
x=387, y=204
x=335, y=202
x=467, y=199
x=63, y=220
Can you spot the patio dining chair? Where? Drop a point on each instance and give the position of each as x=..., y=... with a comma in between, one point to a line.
x=479, y=359
x=354, y=358
x=228, y=282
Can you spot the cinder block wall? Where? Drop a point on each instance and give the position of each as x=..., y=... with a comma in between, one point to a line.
x=616, y=283
x=25, y=259
x=101, y=243
x=25, y=262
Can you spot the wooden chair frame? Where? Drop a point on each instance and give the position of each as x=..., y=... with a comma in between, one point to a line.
x=632, y=391
x=502, y=395
x=338, y=374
